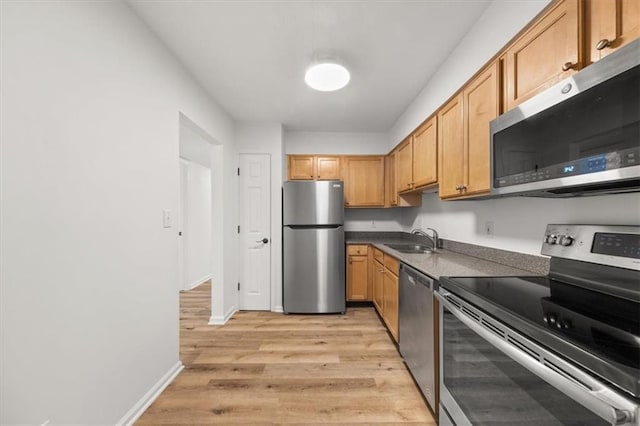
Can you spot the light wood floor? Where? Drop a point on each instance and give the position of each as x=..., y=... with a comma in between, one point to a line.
x=267, y=368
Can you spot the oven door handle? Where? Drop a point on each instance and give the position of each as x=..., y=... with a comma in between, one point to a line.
x=571, y=381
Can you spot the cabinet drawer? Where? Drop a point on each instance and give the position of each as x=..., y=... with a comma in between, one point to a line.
x=391, y=263
x=378, y=255
x=357, y=249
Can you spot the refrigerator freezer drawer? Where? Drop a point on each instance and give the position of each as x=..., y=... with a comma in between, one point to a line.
x=313, y=202
x=314, y=270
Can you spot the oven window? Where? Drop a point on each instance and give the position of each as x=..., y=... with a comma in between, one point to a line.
x=492, y=389
x=603, y=119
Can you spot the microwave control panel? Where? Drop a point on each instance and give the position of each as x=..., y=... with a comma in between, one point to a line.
x=598, y=163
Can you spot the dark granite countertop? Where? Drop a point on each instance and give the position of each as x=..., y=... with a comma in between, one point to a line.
x=447, y=262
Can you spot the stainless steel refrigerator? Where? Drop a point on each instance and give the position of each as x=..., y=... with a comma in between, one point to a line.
x=313, y=256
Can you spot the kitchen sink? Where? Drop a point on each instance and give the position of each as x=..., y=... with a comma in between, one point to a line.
x=411, y=248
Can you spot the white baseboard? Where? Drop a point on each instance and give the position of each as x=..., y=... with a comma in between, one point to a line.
x=147, y=399
x=197, y=282
x=218, y=320
x=278, y=309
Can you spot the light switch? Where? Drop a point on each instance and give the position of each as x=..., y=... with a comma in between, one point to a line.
x=167, y=218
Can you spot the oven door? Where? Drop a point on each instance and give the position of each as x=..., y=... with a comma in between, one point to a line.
x=491, y=375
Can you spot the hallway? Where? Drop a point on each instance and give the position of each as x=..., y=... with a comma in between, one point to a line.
x=269, y=368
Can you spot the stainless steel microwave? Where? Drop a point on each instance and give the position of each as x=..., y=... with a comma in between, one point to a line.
x=579, y=137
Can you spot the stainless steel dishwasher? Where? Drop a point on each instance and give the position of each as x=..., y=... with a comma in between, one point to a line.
x=417, y=329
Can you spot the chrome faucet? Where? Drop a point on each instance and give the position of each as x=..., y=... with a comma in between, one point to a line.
x=435, y=241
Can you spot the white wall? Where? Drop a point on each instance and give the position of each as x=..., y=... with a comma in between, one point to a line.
x=519, y=222
x=502, y=20
x=373, y=220
x=335, y=143
x=267, y=138
x=89, y=159
x=197, y=220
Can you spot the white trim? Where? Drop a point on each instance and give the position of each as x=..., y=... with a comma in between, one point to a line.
x=197, y=282
x=217, y=320
x=278, y=309
x=147, y=399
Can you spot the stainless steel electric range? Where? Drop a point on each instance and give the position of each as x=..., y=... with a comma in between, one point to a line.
x=563, y=349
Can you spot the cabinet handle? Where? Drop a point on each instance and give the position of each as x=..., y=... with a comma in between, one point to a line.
x=463, y=187
x=311, y=176
x=567, y=66
x=458, y=187
x=602, y=44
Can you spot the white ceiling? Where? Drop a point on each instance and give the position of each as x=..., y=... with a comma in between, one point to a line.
x=251, y=55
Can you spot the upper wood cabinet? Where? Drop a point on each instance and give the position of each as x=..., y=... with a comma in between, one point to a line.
x=548, y=52
x=313, y=167
x=417, y=158
x=610, y=24
x=327, y=168
x=481, y=104
x=390, y=186
x=464, y=136
x=425, y=154
x=364, y=181
x=392, y=197
x=302, y=167
x=451, y=148
x=404, y=166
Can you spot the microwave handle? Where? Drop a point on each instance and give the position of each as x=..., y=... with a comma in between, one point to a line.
x=603, y=401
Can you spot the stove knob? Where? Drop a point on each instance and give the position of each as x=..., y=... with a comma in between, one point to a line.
x=550, y=319
x=551, y=239
x=566, y=240
x=566, y=324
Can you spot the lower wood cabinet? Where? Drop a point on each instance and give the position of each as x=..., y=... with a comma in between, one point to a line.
x=378, y=286
x=372, y=275
x=391, y=294
x=358, y=273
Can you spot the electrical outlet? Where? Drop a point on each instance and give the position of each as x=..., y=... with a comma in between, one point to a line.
x=419, y=223
x=488, y=229
x=373, y=223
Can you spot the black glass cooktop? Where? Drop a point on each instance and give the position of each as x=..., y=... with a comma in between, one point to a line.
x=592, y=329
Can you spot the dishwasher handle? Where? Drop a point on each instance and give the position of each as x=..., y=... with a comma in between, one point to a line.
x=415, y=277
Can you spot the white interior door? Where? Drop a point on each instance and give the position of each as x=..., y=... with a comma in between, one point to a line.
x=255, y=236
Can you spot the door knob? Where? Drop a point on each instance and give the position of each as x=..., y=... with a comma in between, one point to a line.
x=264, y=241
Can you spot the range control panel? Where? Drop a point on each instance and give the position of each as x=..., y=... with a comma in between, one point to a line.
x=613, y=245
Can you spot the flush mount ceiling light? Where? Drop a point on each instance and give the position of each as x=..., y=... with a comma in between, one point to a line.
x=327, y=76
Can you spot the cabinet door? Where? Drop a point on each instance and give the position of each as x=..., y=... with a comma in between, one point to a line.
x=301, y=167
x=548, y=52
x=404, y=170
x=327, y=168
x=425, y=154
x=610, y=24
x=451, y=148
x=357, y=278
x=391, y=190
x=378, y=287
x=390, y=303
x=481, y=105
x=364, y=181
